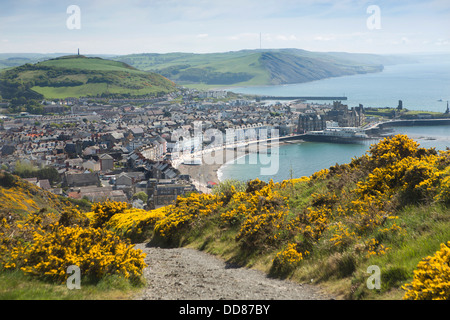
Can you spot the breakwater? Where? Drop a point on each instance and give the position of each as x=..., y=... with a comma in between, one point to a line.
x=378, y=127
x=301, y=98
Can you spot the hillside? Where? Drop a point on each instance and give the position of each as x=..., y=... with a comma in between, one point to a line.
x=387, y=210
x=76, y=76
x=257, y=67
x=19, y=197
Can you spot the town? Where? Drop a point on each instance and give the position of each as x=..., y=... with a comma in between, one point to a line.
x=122, y=149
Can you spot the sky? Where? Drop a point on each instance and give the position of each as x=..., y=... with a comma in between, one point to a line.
x=160, y=26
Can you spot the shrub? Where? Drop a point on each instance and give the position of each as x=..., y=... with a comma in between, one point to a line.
x=342, y=236
x=226, y=189
x=260, y=229
x=288, y=259
x=72, y=216
x=45, y=244
x=431, y=279
x=443, y=194
x=187, y=211
x=136, y=224
x=102, y=212
x=392, y=149
x=255, y=185
x=97, y=252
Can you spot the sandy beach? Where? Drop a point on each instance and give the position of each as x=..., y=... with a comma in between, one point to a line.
x=207, y=171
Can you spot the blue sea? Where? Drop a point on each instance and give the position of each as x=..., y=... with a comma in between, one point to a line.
x=420, y=86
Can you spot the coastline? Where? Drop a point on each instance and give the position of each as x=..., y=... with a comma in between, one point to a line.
x=201, y=174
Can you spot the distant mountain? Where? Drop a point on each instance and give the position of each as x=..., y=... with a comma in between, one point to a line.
x=76, y=76
x=257, y=67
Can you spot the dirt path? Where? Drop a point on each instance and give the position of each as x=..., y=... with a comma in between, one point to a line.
x=188, y=274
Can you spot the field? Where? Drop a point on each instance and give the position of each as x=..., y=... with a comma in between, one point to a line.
x=94, y=90
x=77, y=76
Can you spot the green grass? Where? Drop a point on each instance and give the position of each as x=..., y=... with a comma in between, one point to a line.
x=287, y=65
x=92, y=89
x=387, y=112
x=92, y=64
x=14, y=285
x=77, y=76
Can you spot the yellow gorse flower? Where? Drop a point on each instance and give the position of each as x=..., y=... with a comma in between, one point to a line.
x=431, y=278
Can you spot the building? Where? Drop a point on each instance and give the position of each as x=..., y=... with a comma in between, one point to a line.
x=166, y=194
x=80, y=179
x=339, y=113
x=346, y=117
x=106, y=162
x=92, y=165
x=311, y=122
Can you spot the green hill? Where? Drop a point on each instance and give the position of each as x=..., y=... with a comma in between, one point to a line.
x=386, y=210
x=256, y=67
x=77, y=76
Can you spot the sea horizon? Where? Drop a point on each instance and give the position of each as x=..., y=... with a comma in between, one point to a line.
x=422, y=86
x=412, y=80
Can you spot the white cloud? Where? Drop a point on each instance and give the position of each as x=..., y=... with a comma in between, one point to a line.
x=324, y=38
x=442, y=42
x=219, y=25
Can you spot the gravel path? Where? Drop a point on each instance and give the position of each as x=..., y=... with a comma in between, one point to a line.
x=188, y=274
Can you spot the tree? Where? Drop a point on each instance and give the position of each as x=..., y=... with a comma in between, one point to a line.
x=141, y=195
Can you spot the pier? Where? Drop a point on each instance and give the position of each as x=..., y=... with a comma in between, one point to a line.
x=301, y=98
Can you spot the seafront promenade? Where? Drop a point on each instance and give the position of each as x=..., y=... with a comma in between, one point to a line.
x=203, y=172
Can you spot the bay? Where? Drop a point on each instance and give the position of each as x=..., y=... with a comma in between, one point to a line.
x=304, y=158
x=420, y=86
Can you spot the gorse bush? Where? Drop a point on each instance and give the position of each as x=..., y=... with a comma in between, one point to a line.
x=45, y=244
x=185, y=212
x=102, y=212
x=288, y=259
x=97, y=252
x=136, y=224
x=432, y=277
